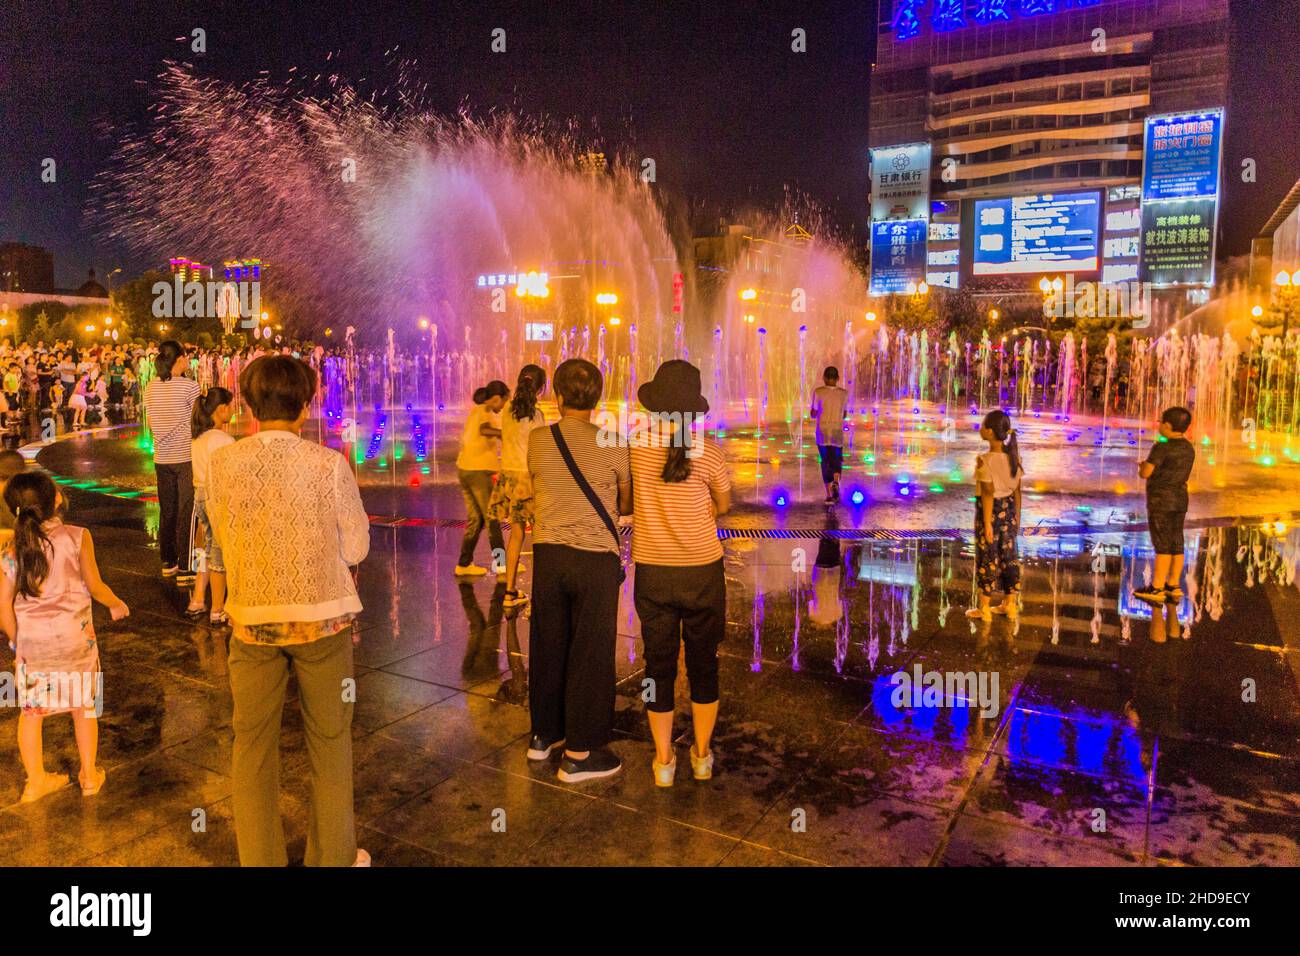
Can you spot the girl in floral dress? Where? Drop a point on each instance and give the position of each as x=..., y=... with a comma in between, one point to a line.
x=998, y=473
x=512, y=499
x=48, y=581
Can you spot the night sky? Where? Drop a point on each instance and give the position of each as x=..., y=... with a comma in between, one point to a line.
x=711, y=91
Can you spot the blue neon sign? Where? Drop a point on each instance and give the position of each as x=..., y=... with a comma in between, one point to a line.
x=944, y=16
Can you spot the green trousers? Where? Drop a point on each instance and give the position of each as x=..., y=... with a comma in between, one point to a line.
x=258, y=675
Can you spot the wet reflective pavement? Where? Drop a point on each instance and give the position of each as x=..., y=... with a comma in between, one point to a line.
x=1105, y=736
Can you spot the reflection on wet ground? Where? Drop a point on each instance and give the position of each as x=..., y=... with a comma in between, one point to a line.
x=1093, y=732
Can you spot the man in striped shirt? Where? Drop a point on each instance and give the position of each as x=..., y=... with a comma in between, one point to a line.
x=576, y=576
x=168, y=404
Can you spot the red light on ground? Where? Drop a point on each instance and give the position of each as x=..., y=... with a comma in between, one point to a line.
x=415, y=481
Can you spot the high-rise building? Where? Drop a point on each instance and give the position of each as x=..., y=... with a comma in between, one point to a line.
x=243, y=270
x=1036, y=116
x=190, y=270
x=25, y=268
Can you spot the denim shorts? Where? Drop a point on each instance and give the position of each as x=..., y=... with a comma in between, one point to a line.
x=205, y=541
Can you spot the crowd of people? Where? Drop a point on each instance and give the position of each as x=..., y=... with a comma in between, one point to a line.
x=268, y=531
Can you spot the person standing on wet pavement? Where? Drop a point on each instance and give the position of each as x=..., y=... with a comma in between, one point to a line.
x=581, y=482
x=680, y=484
x=998, y=474
x=1166, y=471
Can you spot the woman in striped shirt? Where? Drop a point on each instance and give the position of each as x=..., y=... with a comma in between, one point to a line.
x=680, y=485
x=168, y=403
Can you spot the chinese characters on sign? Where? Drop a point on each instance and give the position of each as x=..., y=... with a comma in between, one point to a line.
x=910, y=16
x=897, y=256
x=1178, y=241
x=900, y=182
x=1180, y=197
x=1182, y=156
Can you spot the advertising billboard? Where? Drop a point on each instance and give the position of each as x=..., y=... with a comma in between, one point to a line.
x=1029, y=235
x=1181, y=156
x=900, y=182
x=897, y=256
x=1178, y=242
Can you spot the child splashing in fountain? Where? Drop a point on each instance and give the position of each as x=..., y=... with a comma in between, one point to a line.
x=48, y=583
x=512, y=499
x=998, y=473
x=828, y=411
x=479, y=459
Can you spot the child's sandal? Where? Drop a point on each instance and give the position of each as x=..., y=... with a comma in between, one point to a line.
x=89, y=790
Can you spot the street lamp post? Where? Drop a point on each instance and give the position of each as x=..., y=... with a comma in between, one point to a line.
x=1286, y=297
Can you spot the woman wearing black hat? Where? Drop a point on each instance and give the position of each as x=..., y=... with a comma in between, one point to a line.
x=680, y=485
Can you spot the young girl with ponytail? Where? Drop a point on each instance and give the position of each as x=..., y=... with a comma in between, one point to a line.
x=212, y=412
x=512, y=499
x=998, y=473
x=48, y=582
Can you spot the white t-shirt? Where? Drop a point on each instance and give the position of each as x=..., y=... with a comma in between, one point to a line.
x=514, y=438
x=828, y=406
x=201, y=450
x=477, y=451
x=995, y=468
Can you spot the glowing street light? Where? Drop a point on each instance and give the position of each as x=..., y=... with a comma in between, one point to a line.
x=923, y=289
x=533, y=285
x=750, y=318
x=606, y=298
x=1258, y=311
x=615, y=320
x=748, y=295
x=871, y=316
x=994, y=315
x=424, y=324
x=90, y=328
x=1287, y=298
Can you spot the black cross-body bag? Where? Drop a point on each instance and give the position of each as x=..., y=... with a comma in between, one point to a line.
x=592, y=497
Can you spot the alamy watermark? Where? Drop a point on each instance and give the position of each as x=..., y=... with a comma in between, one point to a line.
x=65, y=691
x=209, y=299
x=639, y=429
x=964, y=689
x=1115, y=300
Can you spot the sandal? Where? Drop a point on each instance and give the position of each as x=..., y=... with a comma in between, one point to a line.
x=196, y=611
x=53, y=783
x=89, y=790
x=220, y=618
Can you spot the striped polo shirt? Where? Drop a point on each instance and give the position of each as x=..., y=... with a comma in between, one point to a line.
x=674, y=523
x=168, y=406
x=562, y=513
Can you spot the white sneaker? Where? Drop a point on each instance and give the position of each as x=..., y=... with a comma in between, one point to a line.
x=702, y=767
x=363, y=858
x=665, y=773
x=469, y=570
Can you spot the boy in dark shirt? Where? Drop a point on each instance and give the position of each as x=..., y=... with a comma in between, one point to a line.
x=1166, y=471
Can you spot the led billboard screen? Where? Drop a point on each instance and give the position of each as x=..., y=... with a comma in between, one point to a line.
x=1029, y=235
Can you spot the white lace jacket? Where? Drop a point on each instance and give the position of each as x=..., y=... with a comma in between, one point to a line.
x=287, y=514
